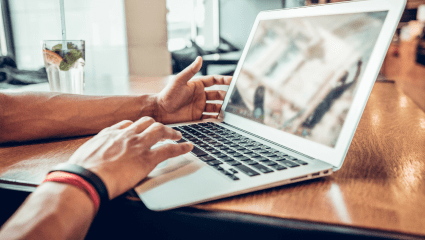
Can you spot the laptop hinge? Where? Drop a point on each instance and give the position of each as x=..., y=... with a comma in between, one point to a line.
x=267, y=140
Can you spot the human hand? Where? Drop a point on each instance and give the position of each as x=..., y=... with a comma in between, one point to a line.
x=121, y=155
x=184, y=99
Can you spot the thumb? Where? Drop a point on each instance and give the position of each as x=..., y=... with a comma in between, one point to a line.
x=190, y=71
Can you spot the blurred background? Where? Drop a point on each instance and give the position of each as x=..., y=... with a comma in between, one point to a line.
x=162, y=37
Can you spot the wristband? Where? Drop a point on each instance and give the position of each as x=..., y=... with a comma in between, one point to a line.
x=77, y=181
x=88, y=176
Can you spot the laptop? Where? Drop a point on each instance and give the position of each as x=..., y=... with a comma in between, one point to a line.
x=292, y=107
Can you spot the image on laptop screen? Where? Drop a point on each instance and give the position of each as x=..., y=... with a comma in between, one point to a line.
x=300, y=75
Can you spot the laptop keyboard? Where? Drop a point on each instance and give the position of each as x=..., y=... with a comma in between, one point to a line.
x=217, y=145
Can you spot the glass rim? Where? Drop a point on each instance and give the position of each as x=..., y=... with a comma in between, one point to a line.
x=63, y=40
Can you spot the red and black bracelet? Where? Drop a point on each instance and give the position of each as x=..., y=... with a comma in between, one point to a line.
x=81, y=178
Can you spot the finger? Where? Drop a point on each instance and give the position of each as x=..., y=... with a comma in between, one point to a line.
x=216, y=80
x=142, y=124
x=212, y=107
x=167, y=151
x=209, y=116
x=215, y=95
x=158, y=132
x=190, y=71
x=121, y=125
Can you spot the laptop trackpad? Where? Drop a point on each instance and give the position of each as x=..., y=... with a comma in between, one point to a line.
x=169, y=170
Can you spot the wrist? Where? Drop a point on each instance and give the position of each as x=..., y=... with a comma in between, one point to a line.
x=155, y=106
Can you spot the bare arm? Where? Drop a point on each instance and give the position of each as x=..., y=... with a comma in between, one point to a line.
x=120, y=155
x=69, y=214
x=29, y=116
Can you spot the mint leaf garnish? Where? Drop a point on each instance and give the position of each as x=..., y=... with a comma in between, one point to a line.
x=70, y=58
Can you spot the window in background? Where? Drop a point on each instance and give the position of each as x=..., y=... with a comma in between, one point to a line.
x=237, y=18
x=6, y=41
x=101, y=23
x=192, y=21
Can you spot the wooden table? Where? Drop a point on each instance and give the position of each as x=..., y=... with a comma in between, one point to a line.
x=381, y=185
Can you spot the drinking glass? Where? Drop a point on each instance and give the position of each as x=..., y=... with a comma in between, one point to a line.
x=64, y=61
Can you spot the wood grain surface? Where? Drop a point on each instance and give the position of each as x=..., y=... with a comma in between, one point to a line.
x=381, y=184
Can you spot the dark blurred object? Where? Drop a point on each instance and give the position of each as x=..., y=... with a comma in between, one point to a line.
x=420, y=50
x=11, y=77
x=229, y=58
x=180, y=59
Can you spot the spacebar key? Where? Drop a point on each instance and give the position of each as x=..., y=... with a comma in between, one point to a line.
x=198, y=152
x=248, y=171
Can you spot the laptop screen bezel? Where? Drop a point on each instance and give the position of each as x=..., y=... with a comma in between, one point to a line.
x=334, y=156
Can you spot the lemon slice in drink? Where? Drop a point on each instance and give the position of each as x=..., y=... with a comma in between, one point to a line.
x=52, y=57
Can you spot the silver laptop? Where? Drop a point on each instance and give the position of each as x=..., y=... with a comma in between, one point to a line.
x=291, y=110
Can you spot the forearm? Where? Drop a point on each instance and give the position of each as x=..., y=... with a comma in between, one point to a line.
x=29, y=116
x=53, y=211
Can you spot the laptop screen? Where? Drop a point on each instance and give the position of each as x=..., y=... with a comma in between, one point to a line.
x=300, y=75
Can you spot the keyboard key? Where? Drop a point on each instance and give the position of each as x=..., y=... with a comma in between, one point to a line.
x=226, y=159
x=202, y=144
x=233, y=163
x=220, y=155
x=209, y=148
x=181, y=140
x=278, y=167
x=262, y=168
x=253, y=155
x=269, y=154
x=282, y=154
x=269, y=163
x=260, y=159
x=277, y=158
x=250, y=145
x=223, y=148
x=243, y=158
x=250, y=162
x=214, y=163
x=261, y=150
x=198, y=152
x=248, y=171
x=233, y=177
x=246, y=151
x=299, y=161
x=217, y=144
x=233, y=170
x=215, y=152
x=229, y=150
x=235, y=154
x=219, y=168
x=239, y=148
x=289, y=163
x=207, y=158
